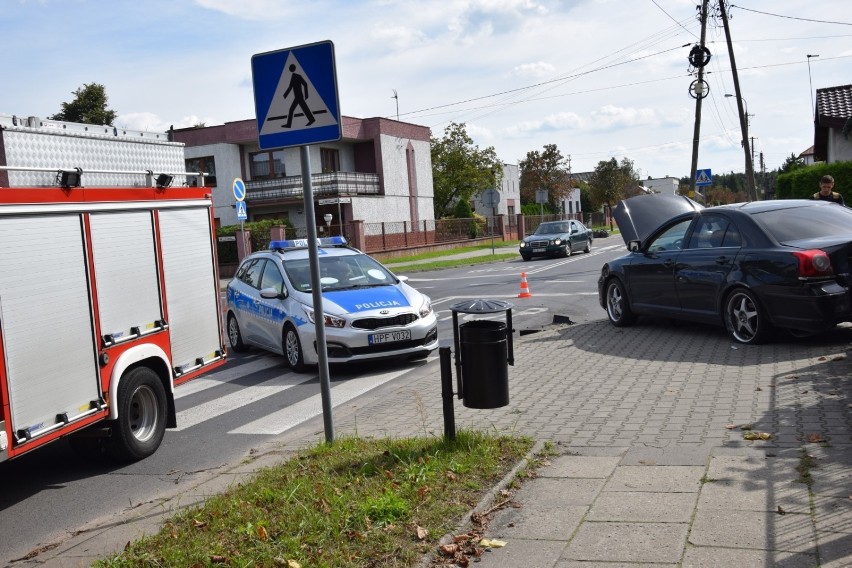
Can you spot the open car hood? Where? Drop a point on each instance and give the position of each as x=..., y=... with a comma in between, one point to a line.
x=638, y=217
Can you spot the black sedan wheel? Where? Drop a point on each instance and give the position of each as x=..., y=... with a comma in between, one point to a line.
x=744, y=318
x=293, y=349
x=588, y=246
x=567, y=252
x=617, y=307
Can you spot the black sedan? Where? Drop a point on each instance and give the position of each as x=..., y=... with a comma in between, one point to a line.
x=556, y=238
x=750, y=267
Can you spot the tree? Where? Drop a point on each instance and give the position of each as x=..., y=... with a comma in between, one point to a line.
x=89, y=106
x=460, y=170
x=544, y=170
x=610, y=181
x=792, y=162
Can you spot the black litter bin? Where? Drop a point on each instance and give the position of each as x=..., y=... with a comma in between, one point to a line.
x=483, y=353
x=485, y=375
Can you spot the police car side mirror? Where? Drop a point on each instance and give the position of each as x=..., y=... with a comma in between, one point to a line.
x=402, y=278
x=272, y=294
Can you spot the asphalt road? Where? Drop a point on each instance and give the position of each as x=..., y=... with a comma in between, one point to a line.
x=222, y=416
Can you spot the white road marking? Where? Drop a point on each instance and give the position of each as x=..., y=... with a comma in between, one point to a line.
x=245, y=396
x=227, y=374
x=293, y=415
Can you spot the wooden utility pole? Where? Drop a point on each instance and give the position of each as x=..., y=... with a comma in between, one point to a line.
x=749, y=165
x=698, y=99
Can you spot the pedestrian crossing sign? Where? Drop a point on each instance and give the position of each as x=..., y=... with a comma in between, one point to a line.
x=703, y=178
x=242, y=214
x=295, y=96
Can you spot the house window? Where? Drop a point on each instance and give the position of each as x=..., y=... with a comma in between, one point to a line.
x=510, y=210
x=206, y=165
x=330, y=159
x=267, y=165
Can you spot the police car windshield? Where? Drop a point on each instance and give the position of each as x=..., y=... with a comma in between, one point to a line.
x=339, y=273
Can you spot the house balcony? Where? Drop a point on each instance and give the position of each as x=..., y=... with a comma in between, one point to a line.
x=333, y=184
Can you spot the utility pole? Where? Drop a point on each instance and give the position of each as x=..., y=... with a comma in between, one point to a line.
x=697, y=131
x=749, y=163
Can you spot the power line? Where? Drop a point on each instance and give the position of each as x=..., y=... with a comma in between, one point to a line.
x=791, y=17
x=672, y=19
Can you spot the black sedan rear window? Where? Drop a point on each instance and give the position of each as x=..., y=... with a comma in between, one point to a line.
x=806, y=222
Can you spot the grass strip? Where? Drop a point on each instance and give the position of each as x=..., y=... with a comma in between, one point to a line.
x=355, y=502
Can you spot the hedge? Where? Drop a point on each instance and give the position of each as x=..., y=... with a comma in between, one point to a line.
x=803, y=182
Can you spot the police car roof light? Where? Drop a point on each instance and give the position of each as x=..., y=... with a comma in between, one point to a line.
x=302, y=243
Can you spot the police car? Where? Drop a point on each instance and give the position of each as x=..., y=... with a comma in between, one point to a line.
x=369, y=312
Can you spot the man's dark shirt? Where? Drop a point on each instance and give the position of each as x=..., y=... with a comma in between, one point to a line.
x=834, y=197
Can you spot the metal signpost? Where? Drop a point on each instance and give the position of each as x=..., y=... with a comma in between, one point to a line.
x=239, y=189
x=491, y=198
x=296, y=104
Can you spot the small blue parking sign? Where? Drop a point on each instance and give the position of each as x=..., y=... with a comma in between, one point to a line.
x=295, y=96
x=241, y=211
x=239, y=188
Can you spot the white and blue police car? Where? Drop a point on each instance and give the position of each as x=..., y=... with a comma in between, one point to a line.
x=369, y=312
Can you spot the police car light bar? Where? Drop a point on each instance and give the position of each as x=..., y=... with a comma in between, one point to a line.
x=302, y=243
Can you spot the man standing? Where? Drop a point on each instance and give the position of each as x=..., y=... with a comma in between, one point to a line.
x=826, y=193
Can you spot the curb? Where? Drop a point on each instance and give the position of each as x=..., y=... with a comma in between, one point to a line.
x=485, y=503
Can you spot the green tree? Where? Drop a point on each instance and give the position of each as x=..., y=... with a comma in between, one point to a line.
x=792, y=162
x=544, y=170
x=89, y=106
x=460, y=169
x=610, y=181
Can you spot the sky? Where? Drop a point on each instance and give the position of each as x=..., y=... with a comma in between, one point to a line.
x=599, y=79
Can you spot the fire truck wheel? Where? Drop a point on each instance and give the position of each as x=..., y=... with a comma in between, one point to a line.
x=235, y=338
x=141, y=415
x=293, y=349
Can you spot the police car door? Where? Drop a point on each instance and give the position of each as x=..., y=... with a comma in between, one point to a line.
x=272, y=311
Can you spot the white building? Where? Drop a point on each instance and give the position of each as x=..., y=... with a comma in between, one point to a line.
x=666, y=185
x=510, y=195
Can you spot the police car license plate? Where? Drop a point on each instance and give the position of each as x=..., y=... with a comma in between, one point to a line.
x=389, y=337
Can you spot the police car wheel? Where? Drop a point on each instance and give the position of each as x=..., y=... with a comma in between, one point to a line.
x=235, y=338
x=293, y=349
x=141, y=423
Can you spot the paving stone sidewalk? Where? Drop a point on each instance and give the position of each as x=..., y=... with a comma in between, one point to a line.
x=653, y=467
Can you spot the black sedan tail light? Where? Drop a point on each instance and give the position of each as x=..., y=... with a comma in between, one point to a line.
x=813, y=263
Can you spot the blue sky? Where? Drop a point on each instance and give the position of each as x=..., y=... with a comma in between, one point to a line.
x=598, y=78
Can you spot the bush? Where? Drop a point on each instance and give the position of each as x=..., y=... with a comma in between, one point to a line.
x=259, y=237
x=462, y=210
x=802, y=183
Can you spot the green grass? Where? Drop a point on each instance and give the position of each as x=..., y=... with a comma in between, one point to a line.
x=498, y=246
x=355, y=502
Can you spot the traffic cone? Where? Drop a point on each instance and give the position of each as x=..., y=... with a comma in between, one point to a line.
x=525, y=289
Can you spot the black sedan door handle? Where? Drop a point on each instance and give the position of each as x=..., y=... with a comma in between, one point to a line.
x=722, y=260
x=668, y=262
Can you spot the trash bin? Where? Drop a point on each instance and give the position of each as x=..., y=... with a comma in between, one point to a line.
x=483, y=353
x=485, y=374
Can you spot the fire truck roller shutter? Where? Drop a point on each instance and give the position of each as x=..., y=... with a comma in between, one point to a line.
x=126, y=271
x=192, y=289
x=44, y=305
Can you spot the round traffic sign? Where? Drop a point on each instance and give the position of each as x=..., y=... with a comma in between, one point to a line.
x=490, y=197
x=239, y=189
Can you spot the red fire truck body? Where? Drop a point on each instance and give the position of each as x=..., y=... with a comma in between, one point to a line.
x=109, y=298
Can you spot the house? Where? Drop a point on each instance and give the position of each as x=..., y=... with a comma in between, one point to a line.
x=380, y=170
x=666, y=185
x=833, y=124
x=807, y=156
x=510, y=195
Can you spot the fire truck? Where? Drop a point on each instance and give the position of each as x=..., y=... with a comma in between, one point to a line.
x=109, y=299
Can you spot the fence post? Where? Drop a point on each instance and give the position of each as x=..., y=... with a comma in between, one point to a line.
x=522, y=226
x=384, y=242
x=405, y=232
x=277, y=233
x=243, y=243
x=359, y=241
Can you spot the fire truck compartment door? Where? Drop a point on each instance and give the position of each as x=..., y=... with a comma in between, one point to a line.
x=126, y=270
x=46, y=321
x=192, y=287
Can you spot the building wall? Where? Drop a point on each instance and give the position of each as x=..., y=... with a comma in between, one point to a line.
x=839, y=148
x=510, y=194
x=666, y=185
x=227, y=160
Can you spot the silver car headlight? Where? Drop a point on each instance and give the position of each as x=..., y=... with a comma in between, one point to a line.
x=523, y=244
x=328, y=319
x=557, y=241
x=425, y=309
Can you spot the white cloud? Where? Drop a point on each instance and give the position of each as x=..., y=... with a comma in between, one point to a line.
x=539, y=69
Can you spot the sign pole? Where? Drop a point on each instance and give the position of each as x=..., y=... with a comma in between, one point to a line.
x=339, y=217
x=316, y=290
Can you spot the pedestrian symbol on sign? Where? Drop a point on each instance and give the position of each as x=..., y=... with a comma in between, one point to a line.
x=295, y=91
x=703, y=177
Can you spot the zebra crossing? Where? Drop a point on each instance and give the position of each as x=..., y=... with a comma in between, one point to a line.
x=258, y=378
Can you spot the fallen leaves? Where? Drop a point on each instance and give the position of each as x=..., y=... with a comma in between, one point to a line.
x=781, y=510
x=757, y=436
x=816, y=438
x=420, y=532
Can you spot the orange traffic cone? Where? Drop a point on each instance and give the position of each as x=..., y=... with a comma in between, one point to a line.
x=525, y=289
